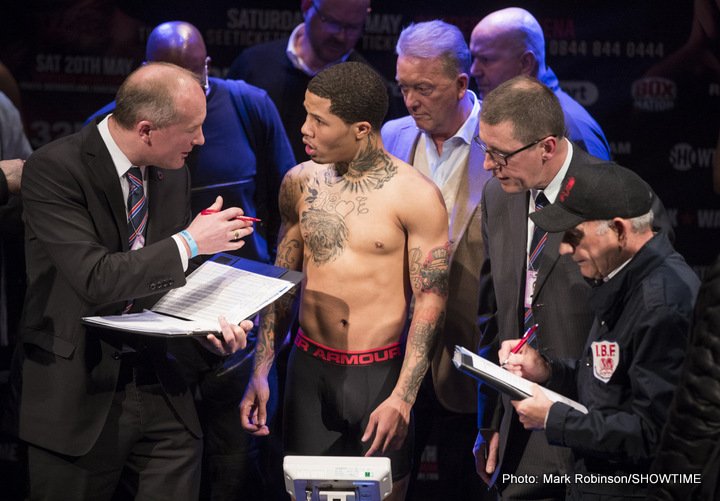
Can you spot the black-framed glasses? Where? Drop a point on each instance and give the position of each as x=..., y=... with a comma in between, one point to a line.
x=336, y=26
x=500, y=158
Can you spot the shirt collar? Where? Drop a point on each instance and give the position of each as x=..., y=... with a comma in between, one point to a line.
x=468, y=129
x=121, y=162
x=616, y=271
x=553, y=188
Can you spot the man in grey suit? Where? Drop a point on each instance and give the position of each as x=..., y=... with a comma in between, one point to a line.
x=438, y=140
x=522, y=132
x=107, y=214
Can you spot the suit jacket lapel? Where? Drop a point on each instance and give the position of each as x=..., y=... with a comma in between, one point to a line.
x=551, y=252
x=469, y=192
x=405, y=143
x=103, y=174
x=154, y=179
x=516, y=244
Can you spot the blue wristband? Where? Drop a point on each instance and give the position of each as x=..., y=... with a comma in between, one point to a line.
x=191, y=243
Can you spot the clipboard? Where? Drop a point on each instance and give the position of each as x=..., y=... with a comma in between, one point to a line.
x=516, y=387
x=227, y=285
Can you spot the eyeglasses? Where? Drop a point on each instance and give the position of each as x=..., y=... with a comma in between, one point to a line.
x=335, y=26
x=500, y=158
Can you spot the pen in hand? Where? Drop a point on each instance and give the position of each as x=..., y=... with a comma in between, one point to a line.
x=526, y=337
x=205, y=212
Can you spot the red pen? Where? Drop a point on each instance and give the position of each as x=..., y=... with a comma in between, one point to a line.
x=205, y=212
x=523, y=340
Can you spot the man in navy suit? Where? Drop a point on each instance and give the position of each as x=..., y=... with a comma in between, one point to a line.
x=107, y=414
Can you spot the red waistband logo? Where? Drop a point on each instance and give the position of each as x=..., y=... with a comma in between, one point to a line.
x=347, y=358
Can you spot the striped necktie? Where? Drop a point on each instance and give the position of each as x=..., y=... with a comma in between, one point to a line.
x=536, y=246
x=136, y=208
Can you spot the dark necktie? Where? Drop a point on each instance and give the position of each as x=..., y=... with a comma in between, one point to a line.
x=536, y=246
x=137, y=213
x=136, y=205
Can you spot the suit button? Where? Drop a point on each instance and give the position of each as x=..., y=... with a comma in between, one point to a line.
x=116, y=355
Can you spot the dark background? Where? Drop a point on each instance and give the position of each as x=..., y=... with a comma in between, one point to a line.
x=660, y=113
x=69, y=56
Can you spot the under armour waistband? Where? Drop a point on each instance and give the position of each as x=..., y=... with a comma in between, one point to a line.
x=340, y=357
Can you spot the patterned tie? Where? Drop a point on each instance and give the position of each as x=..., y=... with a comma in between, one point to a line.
x=136, y=207
x=536, y=246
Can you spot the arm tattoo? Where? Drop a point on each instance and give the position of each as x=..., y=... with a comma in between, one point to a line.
x=285, y=254
x=420, y=345
x=414, y=266
x=291, y=189
x=265, y=346
x=271, y=321
x=433, y=273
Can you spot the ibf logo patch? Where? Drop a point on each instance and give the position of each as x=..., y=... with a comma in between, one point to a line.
x=606, y=356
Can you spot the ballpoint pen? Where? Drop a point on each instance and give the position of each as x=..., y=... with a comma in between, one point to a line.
x=526, y=337
x=205, y=212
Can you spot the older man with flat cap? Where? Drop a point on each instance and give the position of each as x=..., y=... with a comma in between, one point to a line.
x=642, y=300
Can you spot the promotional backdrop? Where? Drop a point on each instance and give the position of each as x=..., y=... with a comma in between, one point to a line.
x=647, y=70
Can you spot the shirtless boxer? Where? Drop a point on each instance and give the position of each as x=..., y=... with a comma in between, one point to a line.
x=370, y=233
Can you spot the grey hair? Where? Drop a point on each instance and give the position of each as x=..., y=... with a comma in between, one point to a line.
x=436, y=39
x=638, y=224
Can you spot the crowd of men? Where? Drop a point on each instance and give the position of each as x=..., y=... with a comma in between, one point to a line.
x=476, y=218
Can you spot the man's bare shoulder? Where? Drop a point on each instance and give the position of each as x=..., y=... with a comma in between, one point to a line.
x=297, y=178
x=417, y=186
x=304, y=170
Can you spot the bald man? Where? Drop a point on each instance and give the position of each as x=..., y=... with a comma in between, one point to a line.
x=508, y=43
x=108, y=230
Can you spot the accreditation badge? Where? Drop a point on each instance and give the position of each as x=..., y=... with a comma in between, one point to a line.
x=606, y=357
x=530, y=279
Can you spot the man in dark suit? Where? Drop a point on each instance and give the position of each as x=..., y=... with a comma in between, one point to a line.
x=107, y=414
x=522, y=132
x=437, y=138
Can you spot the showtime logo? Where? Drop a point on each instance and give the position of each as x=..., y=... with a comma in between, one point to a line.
x=582, y=91
x=684, y=157
x=654, y=94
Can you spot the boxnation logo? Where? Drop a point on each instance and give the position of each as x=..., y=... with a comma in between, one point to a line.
x=654, y=94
